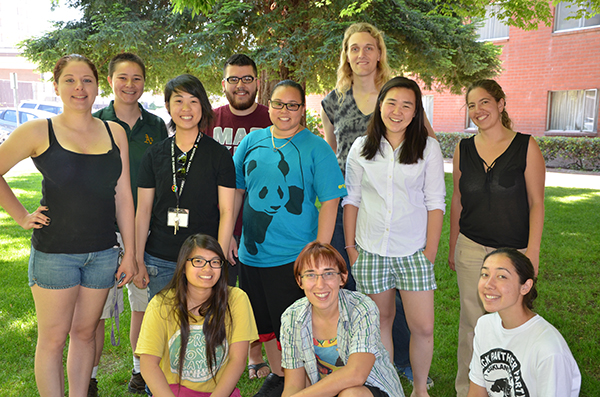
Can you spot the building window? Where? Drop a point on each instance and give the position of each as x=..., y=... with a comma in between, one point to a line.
x=575, y=110
x=428, y=107
x=492, y=28
x=565, y=10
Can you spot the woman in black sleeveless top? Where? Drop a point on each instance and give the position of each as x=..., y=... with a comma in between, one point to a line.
x=73, y=261
x=498, y=201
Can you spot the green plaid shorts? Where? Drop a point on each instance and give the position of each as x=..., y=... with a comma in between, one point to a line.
x=375, y=274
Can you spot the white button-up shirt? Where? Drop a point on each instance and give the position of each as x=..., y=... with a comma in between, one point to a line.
x=392, y=198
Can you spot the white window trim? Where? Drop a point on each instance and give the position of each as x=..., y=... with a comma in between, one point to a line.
x=594, y=129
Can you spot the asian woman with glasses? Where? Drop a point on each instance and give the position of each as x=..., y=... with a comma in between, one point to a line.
x=185, y=186
x=195, y=335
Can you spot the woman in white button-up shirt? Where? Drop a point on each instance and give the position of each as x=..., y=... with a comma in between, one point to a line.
x=393, y=217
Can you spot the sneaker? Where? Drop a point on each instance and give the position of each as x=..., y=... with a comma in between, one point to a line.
x=272, y=386
x=93, y=388
x=408, y=374
x=137, y=385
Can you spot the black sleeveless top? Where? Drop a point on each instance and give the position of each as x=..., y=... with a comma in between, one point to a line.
x=495, y=210
x=79, y=191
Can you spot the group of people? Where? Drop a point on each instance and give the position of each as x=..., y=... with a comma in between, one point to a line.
x=331, y=290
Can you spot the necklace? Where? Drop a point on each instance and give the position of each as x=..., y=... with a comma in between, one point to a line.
x=275, y=148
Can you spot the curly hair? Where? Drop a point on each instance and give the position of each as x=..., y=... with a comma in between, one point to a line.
x=494, y=89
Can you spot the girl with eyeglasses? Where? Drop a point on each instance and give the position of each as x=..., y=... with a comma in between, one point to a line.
x=186, y=185
x=281, y=171
x=196, y=332
x=332, y=336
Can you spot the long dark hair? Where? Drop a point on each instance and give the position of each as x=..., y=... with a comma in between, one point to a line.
x=524, y=269
x=415, y=137
x=215, y=309
x=193, y=86
x=494, y=89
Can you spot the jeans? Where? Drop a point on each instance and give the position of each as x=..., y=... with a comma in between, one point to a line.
x=160, y=272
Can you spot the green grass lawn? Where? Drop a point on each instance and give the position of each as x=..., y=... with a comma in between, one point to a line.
x=569, y=298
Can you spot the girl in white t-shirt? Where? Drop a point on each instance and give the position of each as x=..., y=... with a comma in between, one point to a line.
x=515, y=351
x=196, y=332
x=393, y=217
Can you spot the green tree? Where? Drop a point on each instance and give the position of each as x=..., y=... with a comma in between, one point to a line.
x=524, y=14
x=298, y=39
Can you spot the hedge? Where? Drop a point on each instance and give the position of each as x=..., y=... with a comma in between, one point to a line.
x=576, y=153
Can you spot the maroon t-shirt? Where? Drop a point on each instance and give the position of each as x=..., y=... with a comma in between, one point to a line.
x=229, y=130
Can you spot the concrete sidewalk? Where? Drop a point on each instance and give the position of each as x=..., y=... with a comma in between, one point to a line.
x=583, y=180
x=561, y=178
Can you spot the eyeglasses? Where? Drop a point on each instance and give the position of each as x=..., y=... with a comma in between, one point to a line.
x=181, y=160
x=327, y=276
x=201, y=262
x=245, y=79
x=292, y=107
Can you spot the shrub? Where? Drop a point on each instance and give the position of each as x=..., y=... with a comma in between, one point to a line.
x=577, y=153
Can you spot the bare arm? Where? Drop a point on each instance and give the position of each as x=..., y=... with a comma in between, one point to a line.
x=142, y=226
x=535, y=180
x=125, y=212
x=435, y=219
x=28, y=140
x=295, y=381
x=226, y=220
x=237, y=205
x=353, y=374
x=350, y=215
x=476, y=391
x=328, y=130
x=455, y=208
x=238, y=353
x=327, y=216
x=154, y=376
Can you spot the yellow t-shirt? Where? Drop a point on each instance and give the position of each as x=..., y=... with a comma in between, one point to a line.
x=160, y=337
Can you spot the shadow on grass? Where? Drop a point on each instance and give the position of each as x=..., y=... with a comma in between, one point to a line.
x=568, y=286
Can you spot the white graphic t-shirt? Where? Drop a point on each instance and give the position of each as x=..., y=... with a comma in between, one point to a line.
x=532, y=360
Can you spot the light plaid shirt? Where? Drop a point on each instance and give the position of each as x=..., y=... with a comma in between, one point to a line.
x=358, y=332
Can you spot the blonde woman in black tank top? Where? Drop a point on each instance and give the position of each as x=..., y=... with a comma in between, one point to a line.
x=65, y=146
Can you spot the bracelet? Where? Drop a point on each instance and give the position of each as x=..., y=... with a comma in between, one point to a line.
x=350, y=246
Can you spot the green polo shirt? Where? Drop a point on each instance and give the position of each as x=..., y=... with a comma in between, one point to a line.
x=148, y=130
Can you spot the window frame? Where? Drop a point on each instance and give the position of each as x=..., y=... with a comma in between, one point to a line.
x=563, y=7
x=582, y=130
x=488, y=20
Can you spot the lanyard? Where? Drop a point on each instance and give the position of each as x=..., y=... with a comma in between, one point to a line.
x=179, y=190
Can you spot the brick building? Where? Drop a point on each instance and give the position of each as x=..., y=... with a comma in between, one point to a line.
x=551, y=77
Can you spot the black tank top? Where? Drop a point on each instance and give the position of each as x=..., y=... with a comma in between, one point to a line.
x=79, y=191
x=495, y=210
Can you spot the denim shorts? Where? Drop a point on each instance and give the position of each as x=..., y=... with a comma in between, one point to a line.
x=94, y=270
x=160, y=272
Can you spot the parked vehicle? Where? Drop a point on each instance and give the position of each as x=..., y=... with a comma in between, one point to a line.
x=8, y=116
x=53, y=107
x=4, y=133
